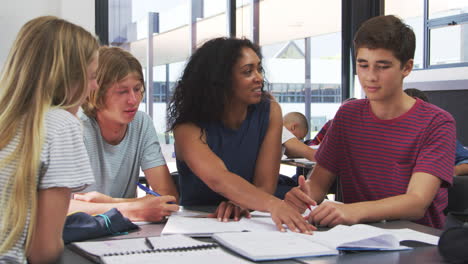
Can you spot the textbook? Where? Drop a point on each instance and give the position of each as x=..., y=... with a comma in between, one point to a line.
x=167, y=249
x=266, y=245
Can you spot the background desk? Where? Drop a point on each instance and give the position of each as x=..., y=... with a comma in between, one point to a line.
x=420, y=254
x=303, y=163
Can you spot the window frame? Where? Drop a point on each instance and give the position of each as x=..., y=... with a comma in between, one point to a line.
x=434, y=23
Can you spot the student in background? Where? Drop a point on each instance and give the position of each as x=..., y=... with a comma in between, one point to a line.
x=413, y=92
x=295, y=129
x=120, y=140
x=50, y=70
x=321, y=134
x=461, y=160
x=227, y=133
x=392, y=154
x=461, y=153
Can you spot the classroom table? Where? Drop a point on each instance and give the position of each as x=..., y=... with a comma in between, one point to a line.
x=419, y=254
x=299, y=162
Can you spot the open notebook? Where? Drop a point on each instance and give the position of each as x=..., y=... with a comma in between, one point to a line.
x=205, y=227
x=276, y=245
x=167, y=249
x=197, y=226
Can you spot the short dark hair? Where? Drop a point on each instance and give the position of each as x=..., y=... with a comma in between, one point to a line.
x=298, y=118
x=205, y=86
x=413, y=92
x=387, y=32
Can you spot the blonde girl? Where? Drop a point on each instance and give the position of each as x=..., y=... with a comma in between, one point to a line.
x=49, y=72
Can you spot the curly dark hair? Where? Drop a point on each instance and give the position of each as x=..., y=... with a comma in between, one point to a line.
x=206, y=83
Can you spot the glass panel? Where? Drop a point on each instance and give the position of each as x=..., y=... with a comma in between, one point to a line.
x=449, y=44
x=284, y=25
x=243, y=19
x=411, y=11
x=443, y=8
x=296, y=19
x=214, y=23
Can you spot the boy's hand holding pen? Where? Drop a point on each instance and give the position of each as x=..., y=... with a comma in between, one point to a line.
x=149, y=191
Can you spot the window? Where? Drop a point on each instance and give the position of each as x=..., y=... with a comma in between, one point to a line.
x=444, y=8
x=412, y=12
x=441, y=34
x=285, y=27
x=283, y=42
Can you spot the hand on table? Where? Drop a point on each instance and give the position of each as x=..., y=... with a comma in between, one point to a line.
x=283, y=214
x=227, y=210
x=151, y=208
x=332, y=214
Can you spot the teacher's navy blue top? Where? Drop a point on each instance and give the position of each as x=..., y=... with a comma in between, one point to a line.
x=237, y=148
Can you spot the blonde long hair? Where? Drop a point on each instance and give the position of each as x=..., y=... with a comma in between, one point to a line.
x=46, y=67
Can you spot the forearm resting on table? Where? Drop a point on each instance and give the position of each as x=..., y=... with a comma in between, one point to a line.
x=96, y=208
x=405, y=207
x=297, y=149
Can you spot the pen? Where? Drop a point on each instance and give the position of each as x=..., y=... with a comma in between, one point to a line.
x=149, y=191
x=148, y=243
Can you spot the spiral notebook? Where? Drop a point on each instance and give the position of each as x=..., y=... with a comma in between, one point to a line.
x=177, y=248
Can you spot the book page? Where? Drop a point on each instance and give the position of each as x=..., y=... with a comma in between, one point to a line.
x=267, y=214
x=377, y=242
x=100, y=248
x=270, y=245
x=344, y=234
x=195, y=226
x=360, y=236
x=412, y=235
x=177, y=242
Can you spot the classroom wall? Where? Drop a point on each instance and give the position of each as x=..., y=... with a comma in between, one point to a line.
x=13, y=15
x=456, y=103
x=448, y=89
x=455, y=78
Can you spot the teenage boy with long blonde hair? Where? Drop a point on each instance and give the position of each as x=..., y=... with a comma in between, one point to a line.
x=120, y=140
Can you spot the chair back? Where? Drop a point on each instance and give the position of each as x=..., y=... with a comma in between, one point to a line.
x=458, y=195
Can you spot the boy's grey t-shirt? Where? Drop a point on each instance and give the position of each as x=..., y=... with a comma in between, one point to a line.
x=116, y=168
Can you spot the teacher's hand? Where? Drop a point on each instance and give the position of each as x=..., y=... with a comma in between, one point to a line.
x=284, y=215
x=227, y=210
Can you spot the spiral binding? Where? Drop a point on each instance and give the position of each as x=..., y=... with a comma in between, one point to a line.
x=179, y=249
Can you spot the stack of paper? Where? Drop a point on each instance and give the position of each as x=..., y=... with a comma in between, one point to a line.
x=206, y=227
